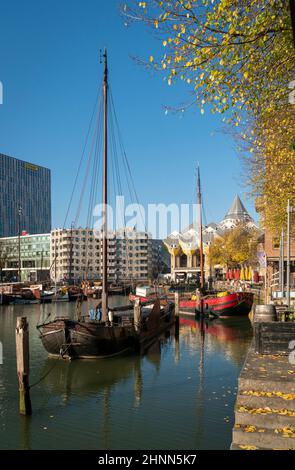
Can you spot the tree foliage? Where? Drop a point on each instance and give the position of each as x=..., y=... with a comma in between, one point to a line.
x=237, y=246
x=237, y=58
x=272, y=164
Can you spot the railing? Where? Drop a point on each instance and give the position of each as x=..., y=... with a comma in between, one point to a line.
x=275, y=279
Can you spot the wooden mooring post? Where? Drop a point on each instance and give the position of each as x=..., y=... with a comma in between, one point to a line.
x=176, y=312
x=137, y=315
x=23, y=364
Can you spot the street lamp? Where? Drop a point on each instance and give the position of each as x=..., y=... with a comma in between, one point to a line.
x=289, y=212
x=20, y=213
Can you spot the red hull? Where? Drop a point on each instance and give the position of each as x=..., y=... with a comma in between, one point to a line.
x=235, y=304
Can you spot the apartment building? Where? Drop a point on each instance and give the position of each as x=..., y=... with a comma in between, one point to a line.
x=77, y=254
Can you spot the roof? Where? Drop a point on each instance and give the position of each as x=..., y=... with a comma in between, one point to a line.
x=237, y=210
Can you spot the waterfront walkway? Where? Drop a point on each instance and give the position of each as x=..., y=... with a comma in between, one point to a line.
x=265, y=405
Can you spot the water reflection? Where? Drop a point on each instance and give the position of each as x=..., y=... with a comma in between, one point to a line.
x=90, y=377
x=176, y=394
x=227, y=335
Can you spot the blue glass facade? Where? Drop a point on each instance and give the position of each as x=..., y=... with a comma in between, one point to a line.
x=28, y=186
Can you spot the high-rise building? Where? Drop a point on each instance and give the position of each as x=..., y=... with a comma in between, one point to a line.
x=25, y=197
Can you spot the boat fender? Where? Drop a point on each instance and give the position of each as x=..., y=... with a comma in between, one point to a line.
x=91, y=314
x=111, y=316
x=98, y=314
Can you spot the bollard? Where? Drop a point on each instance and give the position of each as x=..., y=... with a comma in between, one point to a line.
x=23, y=364
x=137, y=315
x=176, y=304
x=176, y=313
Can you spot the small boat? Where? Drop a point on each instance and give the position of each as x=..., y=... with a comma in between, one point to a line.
x=75, y=293
x=26, y=296
x=19, y=295
x=60, y=294
x=40, y=292
x=46, y=296
x=60, y=297
x=114, y=289
x=146, y=293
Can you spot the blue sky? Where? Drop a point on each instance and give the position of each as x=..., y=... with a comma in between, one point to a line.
x=49, y=67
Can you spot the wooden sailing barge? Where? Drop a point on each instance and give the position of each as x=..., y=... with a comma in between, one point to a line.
x=113, y=331
x=130, y=330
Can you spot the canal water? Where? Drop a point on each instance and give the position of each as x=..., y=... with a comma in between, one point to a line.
x=179, y=395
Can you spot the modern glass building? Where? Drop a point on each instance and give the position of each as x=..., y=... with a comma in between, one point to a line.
x=34, y=258
x=28, y=186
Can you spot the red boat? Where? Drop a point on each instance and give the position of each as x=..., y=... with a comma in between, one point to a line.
x=228, y=305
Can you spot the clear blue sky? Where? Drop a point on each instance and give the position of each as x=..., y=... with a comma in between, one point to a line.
x=49, y=56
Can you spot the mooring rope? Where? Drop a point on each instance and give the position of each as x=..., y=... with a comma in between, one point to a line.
x=61, y=355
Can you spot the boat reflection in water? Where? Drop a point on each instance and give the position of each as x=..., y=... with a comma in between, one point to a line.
x=170, y=396
x=89, y=377
x=231, y=336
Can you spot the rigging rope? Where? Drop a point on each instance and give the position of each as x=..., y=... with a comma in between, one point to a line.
x=82, y=157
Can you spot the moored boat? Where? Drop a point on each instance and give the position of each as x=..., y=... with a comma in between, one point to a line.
x=146, y=293
x=4, y=299
x=127, y=331
x=218, y=304
x=105, y=331
x=46, y=296
x=227, y=305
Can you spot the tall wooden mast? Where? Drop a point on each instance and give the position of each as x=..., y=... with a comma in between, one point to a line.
x=105, y=196
x=200, y=230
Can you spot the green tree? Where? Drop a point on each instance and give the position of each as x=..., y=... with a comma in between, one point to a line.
x=233, y=54
x=236, y=247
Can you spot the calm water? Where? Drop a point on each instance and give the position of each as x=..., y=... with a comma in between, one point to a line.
x=180, y=395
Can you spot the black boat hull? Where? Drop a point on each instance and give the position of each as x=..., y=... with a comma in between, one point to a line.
x=92, y=339
x=85, y=340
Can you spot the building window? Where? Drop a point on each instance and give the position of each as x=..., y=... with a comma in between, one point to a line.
x=276, y=243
